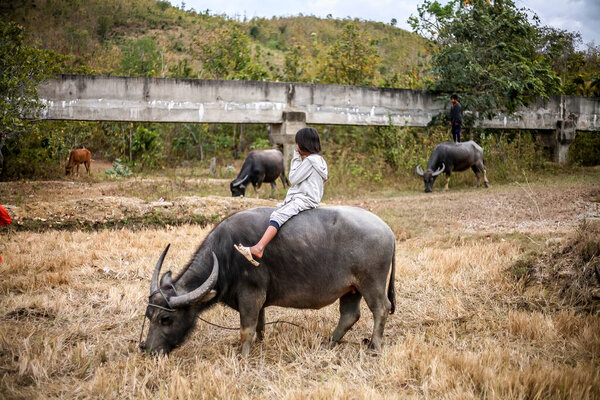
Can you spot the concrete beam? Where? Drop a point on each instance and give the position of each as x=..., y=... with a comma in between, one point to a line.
x=103, y=98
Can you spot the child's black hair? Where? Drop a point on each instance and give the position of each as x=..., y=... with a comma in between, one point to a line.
x=308, y=140
x=454, y=96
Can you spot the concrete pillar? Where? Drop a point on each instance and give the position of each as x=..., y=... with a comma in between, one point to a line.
x=565, y=134
x=283, y=134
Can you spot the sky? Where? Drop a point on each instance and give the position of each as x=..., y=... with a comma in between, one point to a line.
x=582, y=16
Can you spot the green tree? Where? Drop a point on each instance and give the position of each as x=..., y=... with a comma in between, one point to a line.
x=225, y=53
x=488, y=51
x=294, y=68
x=140, y=58
x=147, y=147
x=182, y=69
x=560, y=47
x=22, y=68
x=305, y=63
x=583, y=73
x=352, y=59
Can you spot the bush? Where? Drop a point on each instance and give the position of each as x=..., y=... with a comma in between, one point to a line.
x=260, y=144
x=585, y=149
x=147, y=147
x=43, y=150
x=119, y=170
x=507, y=154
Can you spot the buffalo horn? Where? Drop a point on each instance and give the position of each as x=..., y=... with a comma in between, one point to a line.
x=419, y=170
x=154, y=284
x=439, y=170
x=201, y=291
x=238, y=182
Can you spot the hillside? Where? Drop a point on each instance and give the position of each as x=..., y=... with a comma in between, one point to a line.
x=96, y=33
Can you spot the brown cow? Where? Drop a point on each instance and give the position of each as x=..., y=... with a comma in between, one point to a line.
x=79, y=156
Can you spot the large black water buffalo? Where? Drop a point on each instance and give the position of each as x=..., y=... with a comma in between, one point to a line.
x=260, y=166
x=318, y=256
x=448, y=156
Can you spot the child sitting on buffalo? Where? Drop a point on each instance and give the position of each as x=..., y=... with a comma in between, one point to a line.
x=307, y=177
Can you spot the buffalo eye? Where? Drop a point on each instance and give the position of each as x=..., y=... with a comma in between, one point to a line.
x=164, y=320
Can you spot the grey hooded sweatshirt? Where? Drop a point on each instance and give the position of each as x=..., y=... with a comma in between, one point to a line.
x=306, y=177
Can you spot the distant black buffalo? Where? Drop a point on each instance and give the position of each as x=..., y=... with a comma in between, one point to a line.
x=260, y=166
x=319, y=256
x=448, y=156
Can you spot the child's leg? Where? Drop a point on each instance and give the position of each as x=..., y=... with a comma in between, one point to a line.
x=278, y=218
x=258, y=249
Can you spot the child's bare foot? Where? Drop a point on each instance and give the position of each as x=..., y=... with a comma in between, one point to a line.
x=257, y=251
x=245, y=251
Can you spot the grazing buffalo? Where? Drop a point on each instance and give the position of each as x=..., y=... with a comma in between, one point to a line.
x=319, y=256
x=447, y=157
x=79, y=156
x=260, y=166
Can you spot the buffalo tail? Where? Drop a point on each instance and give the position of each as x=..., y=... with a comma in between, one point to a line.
x=391, y=289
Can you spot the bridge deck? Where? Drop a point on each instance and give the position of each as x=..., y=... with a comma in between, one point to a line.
x=103, y=98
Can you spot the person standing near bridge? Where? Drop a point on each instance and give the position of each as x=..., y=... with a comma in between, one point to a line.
x=455, y=118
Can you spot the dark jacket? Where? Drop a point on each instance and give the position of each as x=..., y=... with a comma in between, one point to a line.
x=456, y=113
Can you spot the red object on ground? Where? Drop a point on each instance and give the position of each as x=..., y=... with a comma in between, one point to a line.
x=4, y=219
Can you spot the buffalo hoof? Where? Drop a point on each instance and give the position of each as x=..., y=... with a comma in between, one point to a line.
x=328, y=344
x=374, y=350
x=486, y=185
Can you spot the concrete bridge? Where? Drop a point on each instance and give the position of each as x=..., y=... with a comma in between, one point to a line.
x=287, y=107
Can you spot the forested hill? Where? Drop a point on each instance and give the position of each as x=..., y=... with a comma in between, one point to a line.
x=153, y=38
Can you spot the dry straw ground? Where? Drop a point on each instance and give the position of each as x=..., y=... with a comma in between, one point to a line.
x=479, y=314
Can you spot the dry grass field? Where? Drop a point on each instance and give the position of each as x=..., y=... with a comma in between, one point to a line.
x=497, y=290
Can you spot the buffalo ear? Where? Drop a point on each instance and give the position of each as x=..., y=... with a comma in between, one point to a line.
x=166, y=281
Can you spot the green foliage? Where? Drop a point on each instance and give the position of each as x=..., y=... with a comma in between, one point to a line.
x=118, y=170
x=225, y=53
x=352, y=59
x=293, y=70
x=486, y=50
x=192, y=142
x=405, y=148
x=579, y=70
x=260, y=144
x=95, y=34
x=182, y=69
x=140, y=58
x=508, y=155
x=147, y=147
x=43, y=149
x=585, y=149
x=22, y=68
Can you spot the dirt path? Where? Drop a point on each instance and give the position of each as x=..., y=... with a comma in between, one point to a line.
x=539, y=208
